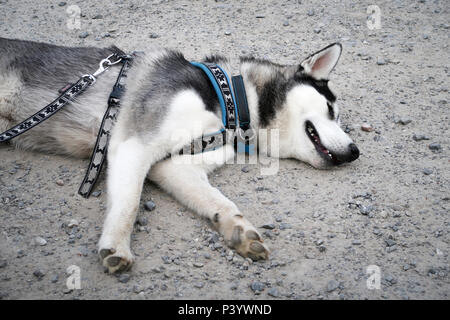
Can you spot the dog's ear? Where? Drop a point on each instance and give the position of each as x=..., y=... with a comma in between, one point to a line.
x=320, y=64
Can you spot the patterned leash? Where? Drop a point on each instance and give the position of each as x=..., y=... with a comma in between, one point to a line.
x=101, y=146
x=68, y=94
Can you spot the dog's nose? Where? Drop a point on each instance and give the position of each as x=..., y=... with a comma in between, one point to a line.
x=354, y=152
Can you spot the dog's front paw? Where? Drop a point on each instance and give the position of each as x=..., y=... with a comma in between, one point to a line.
x=115, y=258
x=241, y=235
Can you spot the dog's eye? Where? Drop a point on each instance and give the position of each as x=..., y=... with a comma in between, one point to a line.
x=330, y=110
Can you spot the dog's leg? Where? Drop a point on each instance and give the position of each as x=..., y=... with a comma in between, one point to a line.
x=189, y=184
x=128, y=164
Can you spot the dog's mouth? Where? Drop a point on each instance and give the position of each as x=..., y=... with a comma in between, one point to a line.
x=313, y=135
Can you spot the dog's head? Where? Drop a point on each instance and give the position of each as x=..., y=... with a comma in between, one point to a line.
x=297, y=101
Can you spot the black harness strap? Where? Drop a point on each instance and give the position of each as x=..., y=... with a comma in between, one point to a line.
x=100, y=151
x=241, y=102
x=67, y=95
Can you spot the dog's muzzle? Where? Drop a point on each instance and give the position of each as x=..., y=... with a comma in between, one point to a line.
x=331, y=157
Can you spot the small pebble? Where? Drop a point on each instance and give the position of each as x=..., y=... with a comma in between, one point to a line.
x=257, y=286
x=381, y=62
x=420, y=137
x=96, y=194
x=38, y=274
x=332, y=285
x=404, y=121
x=40, y=241
x=390, y=242
x=83, y=35
x=435, y=146
x=124, y=278
x=150, y=206
x=72, y=223
x=273, y=292
x=366, y=127
x=142, y=221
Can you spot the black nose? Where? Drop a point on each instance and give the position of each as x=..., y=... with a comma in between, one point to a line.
x=354, y=152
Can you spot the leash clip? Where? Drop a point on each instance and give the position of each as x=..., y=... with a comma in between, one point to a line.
x=103, y=66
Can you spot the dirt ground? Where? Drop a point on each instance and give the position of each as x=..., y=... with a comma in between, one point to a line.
x=388, y=209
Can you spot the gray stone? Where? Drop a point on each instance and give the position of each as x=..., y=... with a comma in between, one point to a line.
x=142, y=221
x=137, y=289
x=54, y=278
x=381, y=61
x=435, y=146
x=332, y=285
x=39, y=274
x=420, y=137
x=40, y=241
x=390, y=242
x=96, y=194
x=149, y=205
x=365, y=210
x=257, y=286
x=83, y=35
x=124, y=278
x=273, y=292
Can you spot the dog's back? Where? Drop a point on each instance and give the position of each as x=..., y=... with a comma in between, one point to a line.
x=31, y=74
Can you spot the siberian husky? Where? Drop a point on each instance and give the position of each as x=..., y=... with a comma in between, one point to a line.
x=165, y=93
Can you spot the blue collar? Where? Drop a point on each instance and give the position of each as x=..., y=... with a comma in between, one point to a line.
x=233, y=103
x=235, y=114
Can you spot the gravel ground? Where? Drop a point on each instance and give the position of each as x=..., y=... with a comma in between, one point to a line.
x=389, y=208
